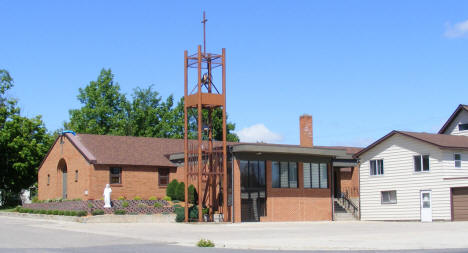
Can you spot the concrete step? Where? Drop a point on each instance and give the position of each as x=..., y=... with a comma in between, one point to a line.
x=343, y=217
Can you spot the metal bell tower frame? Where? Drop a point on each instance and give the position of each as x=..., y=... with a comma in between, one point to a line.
x=205, y=163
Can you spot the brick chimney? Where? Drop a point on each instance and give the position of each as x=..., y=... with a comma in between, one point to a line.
x=306, y=131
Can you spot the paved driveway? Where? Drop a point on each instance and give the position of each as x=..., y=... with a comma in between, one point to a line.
x=22, y=234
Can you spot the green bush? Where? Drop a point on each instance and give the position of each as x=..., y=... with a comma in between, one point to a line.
x=67, y=213
x=176, y=205
x=61, y=212
x=121, y=198
x=124, y=204
x=180, y=214
x=137, y=198
x=36, y=211
x=43, y=212
x=73, y=213
x=30, y=210
x=55, y=212
x=97, y=212
x=172, y=188
x=167, y=198
x=180, y=192
x=157, y=204
x=141, y=205
x=50, y=212
x=152, y=198
x=35, y=199
x=192, y=195
x=193, y=213
x=206, y=210
x=81, y=213
x=176, y=201
x=90, y=205
x=120, y=212
x=205, y=243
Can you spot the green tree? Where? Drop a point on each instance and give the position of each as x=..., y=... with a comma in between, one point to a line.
x=23, y=144
x=145, y=113
x=171, y=189
x=180, y=191
x=105, y=110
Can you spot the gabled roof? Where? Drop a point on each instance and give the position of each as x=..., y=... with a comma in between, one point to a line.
x=439, y=140
x=127, y=150
x=452, y=117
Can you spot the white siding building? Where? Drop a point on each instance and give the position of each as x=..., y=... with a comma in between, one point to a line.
x=417, y=176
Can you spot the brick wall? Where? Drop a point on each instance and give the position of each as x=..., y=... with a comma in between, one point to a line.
x=289, y=204
x=349, y=181
x=136, y=181
x=63, y=150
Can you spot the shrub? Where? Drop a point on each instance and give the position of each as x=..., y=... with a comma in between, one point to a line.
x=73, y=213
x=206, y=210
x=192, y=195
x=180, y=192
x=17, y=208
x=141, y=205
x=121, y=198
x=167, y=198
x=176, y=201
x=137, y=198
x=172, y=188
x=55, y=212
x=30, y=211
x=120, y=212
x=177, y=205
x=193, y=213
x=205, y=243
x=36, y=211
x=35, y=199
x=180, y=214
x=43, y=212
x=90, y=205
x=97, y=212
x=60, y=212
x=125, y=204
x=81, y=213
x=50, y=212
x=67, y=213
x=157, y=204
x=152, y=198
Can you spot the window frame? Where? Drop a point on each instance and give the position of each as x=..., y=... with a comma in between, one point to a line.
x=421, y=157
x=163, y=173
x=464, y=126
x=390, y=201
x=48, y=179
x=119, y=175
x=319, y=167
x=288, y=175
x=459, y=160
x=379, y=167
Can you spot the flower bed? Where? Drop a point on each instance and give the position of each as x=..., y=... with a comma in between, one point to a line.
x=90, y=206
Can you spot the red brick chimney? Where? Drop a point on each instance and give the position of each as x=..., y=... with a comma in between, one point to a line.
x=306, y=130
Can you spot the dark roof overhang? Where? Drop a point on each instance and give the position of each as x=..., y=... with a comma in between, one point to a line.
x=452, y=117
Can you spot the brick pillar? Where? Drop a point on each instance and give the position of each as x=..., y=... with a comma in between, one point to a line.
x=306, y=131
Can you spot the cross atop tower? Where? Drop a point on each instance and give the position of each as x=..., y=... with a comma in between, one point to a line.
x=204, y=36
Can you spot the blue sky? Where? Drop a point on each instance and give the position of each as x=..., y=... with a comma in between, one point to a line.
x=361, y=68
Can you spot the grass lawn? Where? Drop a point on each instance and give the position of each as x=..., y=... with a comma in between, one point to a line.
x=7, y=209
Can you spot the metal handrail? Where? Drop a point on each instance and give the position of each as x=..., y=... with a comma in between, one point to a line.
x=348, y=204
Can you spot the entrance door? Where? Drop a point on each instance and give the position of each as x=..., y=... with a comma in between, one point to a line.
x=253, y=190
x=64, y=183
x=426, y=206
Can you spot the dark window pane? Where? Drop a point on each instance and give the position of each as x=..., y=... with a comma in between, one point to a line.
x=244, y=170
x=253, y=174
x=163, y=177
x=380, y=171
x=115, y=175
x=372, y=167
x=307, y=175
x=261, y=173
x=417, y=163
x=462, y=127
x=275, y=174
x=292, y=175
x=426, y=163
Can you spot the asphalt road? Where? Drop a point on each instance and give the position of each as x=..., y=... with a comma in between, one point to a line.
x=29, y=235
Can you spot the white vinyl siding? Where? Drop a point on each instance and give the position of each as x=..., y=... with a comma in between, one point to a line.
x=398, y=152
x=453, y=129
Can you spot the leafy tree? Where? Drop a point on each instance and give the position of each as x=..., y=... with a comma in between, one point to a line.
x=145, y=113
x=23, y=144
x=192, y=195
x=105, y=110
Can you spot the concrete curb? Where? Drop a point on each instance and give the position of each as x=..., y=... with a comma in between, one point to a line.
x=108, y=218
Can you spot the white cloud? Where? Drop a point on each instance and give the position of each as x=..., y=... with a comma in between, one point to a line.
x=457, y=30
x=258, y=133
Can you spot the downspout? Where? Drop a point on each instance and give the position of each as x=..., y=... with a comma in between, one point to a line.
x=359, y=174
x=332, y=187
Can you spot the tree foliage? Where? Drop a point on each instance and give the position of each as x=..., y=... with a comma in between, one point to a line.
x=23, y=144
x=106, y=110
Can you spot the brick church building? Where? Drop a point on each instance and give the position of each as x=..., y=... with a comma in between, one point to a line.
x=267, y=182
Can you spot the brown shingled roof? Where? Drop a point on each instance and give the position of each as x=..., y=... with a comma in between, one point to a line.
x=452, y=117
x=439, y=140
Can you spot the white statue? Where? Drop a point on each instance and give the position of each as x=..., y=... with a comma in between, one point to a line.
x=107, y=198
